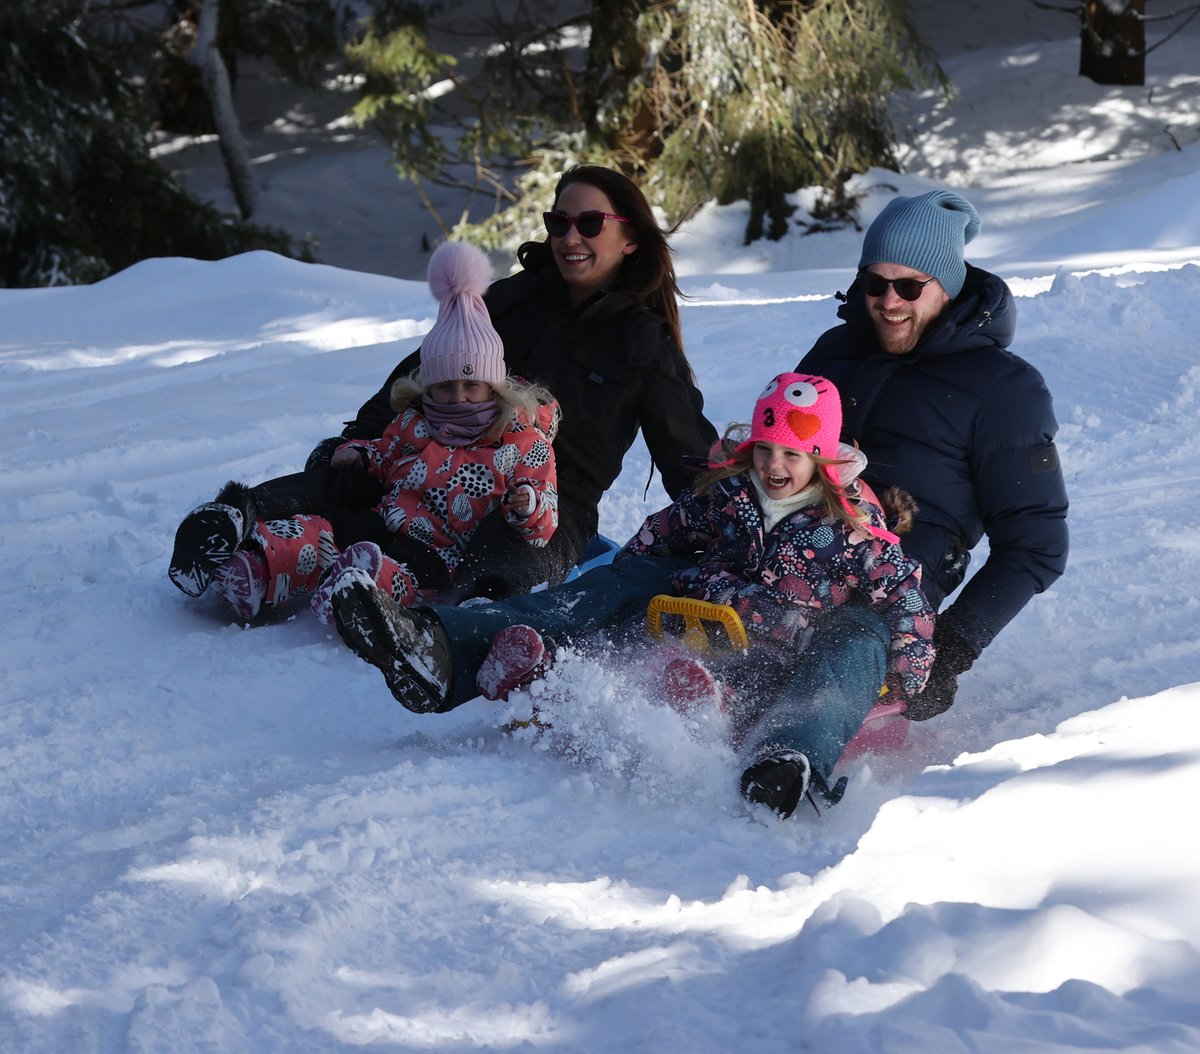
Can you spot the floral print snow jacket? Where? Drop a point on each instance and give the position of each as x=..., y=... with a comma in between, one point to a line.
x=437, y=494
x=780, y=581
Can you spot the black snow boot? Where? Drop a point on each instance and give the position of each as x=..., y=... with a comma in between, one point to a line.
x=209, y=535
x=778, y=780
x=408, y=647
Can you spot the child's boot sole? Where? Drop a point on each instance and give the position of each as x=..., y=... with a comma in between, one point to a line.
x=382, y=633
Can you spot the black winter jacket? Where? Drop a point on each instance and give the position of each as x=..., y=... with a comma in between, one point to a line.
x=612, y=368
x=966, y=427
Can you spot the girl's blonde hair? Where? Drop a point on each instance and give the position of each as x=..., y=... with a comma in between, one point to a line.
x=738, y=463
x=513, y=395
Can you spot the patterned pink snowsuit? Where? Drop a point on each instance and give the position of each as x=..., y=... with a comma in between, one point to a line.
x=433, y=494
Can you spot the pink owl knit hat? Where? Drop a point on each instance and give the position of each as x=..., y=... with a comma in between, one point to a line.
x=802, y=411
x=463, y=345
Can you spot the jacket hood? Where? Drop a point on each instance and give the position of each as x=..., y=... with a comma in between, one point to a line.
x=548, y=417
x=855, y=461
x=984, y=314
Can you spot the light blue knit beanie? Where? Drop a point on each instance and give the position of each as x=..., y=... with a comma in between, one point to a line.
x=926, y=233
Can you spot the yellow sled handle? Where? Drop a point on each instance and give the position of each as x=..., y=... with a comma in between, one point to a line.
x=694, y=614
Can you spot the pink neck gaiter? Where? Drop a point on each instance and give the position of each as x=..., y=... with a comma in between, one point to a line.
x=459, y=424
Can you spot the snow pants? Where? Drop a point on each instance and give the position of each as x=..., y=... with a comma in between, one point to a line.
x=816, y=708
x=300, y=549
x=498, y=562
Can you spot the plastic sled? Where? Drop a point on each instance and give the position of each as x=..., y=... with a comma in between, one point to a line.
x=697, y=623
x=704, y=627
x=598, y=551
x=884, y=730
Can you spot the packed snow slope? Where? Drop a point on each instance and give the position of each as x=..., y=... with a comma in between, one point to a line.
x=230, y=838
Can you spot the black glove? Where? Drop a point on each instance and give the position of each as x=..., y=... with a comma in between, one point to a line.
x=322, y=452
x=954, y=656
x=777, y=780
x=350, y=487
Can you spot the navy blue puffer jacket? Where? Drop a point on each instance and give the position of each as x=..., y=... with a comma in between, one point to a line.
x=967, y=428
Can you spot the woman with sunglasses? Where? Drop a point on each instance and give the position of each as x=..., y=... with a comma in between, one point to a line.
x=593, y=317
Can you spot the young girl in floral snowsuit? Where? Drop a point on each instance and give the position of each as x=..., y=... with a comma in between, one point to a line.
x=786, y=533
x=467, y=439
x=782, y=544
x=781, y=531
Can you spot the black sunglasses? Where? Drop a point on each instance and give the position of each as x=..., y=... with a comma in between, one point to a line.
x=588, y=224
x=906, y=288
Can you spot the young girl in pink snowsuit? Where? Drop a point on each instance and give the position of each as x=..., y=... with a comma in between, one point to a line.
x=467, y=438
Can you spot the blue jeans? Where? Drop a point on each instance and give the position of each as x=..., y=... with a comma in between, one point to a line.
x=828, y=692
x=825, y=693
x=602, y=599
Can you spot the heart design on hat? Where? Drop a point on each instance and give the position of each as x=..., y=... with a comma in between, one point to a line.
x=797, y=410
x=803, y=424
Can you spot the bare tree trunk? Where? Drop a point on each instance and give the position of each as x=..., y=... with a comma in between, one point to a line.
x=1112, y=41
x=206, y=56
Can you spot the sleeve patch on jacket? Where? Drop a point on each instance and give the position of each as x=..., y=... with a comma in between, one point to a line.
x=1043, y=459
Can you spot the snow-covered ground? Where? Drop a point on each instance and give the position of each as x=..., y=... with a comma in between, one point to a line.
x=220, y=838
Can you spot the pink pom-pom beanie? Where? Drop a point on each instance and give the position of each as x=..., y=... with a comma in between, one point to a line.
x=462, y=345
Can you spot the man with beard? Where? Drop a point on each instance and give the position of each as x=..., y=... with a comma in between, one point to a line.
x=942, y=408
